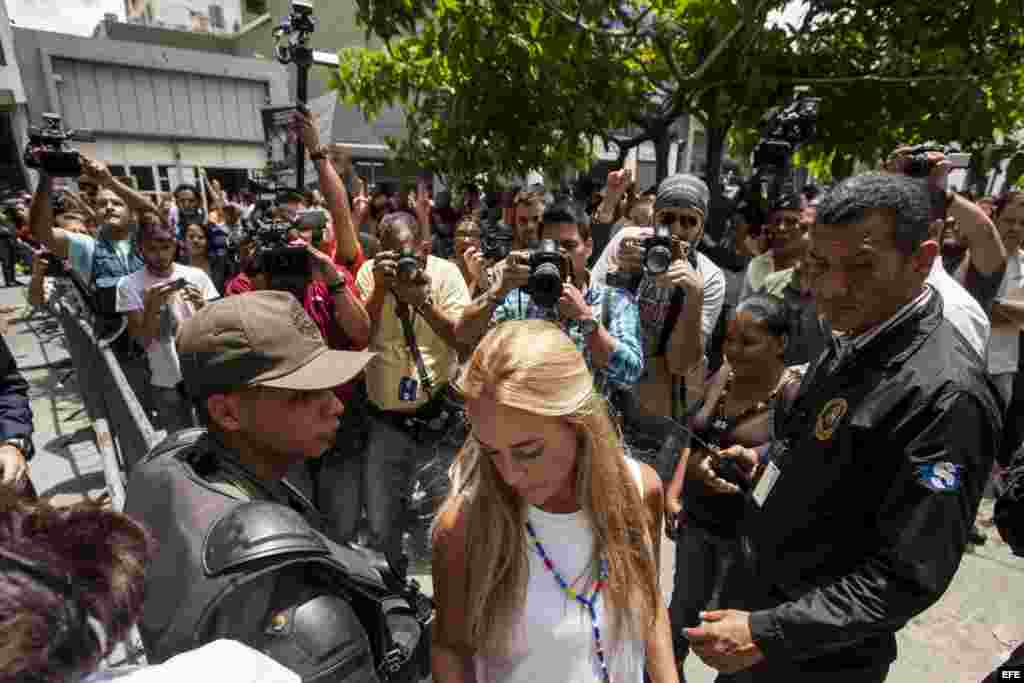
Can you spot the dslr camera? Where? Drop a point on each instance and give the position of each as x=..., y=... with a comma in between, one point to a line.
x=658, y=251
x=917, y=165
x=497, y=240
x=549, y=268
x=48, y=151
x=408, y=265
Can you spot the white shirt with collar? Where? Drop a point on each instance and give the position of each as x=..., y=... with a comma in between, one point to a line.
x=960, y=308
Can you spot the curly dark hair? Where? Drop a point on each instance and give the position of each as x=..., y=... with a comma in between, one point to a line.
x=98, y=554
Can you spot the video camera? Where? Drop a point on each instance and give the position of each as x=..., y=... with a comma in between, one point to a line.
x=783, y=131
x=48, y=151
x=549, y=268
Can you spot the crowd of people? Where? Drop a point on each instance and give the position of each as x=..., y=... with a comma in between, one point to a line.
x=845, y=377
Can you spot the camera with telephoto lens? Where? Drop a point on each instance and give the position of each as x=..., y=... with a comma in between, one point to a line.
x=549, y=268
x=783, y=131
x=408, y=265
x=48, y=151
x=496, y=242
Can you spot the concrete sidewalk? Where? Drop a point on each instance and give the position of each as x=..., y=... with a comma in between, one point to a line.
x=67, y=465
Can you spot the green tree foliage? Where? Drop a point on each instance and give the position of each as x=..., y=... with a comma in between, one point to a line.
x=507, y=86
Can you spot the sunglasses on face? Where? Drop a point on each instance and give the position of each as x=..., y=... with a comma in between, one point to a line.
x=685, y=220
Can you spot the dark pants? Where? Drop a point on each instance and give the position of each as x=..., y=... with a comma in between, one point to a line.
x=703, y=562
x=394, y=459
x=8, y=257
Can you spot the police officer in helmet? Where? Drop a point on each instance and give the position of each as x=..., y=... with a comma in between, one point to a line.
x=240, y=554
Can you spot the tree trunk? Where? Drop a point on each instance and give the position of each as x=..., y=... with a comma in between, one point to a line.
x=716, y=135
x=662, y=147
x=841, y=167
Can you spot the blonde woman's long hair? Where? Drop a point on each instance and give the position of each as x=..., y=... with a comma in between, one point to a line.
x=533, y=366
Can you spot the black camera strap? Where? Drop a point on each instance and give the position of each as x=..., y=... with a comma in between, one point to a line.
x=405, y=316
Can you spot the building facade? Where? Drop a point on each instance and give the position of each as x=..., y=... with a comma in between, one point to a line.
x=157, y=113
x=13, y=112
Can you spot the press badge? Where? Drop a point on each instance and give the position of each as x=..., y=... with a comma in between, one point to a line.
x=766, y=483
x=407, y=389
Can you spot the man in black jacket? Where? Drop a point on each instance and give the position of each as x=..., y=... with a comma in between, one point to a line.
x=15, y=425
x=859, y=514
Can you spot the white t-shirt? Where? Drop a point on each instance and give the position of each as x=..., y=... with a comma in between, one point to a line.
x=960, y=308
x=226, y=661
x=1004, y=344
x=163, y=355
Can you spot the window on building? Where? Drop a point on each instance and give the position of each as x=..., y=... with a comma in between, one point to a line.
x=3, y=59
x=144, y=177
x=217, y=17
x=117, y=171
x=164, y=174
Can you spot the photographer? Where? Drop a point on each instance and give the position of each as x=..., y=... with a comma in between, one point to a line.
x=603, y=321
x=679, y=307
x=414, y=301
x=102, y=260
x=156, y=300
x=982, y=271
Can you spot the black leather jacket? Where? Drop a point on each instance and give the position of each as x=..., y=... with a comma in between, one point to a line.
x=883, y=463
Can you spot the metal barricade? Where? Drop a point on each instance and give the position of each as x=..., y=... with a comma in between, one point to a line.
x=106, y=392
x=122, y=429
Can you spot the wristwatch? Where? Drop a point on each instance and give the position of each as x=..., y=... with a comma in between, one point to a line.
x=588, y=326
x=23, y=444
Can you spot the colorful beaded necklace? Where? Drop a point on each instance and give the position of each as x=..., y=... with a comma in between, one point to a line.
x=590, y=603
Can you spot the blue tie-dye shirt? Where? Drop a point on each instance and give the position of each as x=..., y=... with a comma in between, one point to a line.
x=622, y=320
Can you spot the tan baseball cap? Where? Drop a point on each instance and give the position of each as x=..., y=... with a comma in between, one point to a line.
x=260, y=339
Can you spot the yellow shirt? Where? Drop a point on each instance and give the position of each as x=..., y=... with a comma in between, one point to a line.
x=393, y=361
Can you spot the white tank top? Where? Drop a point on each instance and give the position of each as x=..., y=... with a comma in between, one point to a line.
x=554, y=640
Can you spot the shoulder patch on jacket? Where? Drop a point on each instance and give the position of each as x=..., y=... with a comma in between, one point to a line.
x=940, y=477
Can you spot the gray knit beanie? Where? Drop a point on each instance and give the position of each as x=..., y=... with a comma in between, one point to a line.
x=682, y=191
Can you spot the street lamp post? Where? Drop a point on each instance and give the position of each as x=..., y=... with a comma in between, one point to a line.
x=291, y=46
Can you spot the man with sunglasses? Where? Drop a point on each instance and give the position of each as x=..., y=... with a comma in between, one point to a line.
x=678, y=308
x=772, y=271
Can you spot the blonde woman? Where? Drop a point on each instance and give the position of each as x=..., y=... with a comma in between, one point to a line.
x=546, y=548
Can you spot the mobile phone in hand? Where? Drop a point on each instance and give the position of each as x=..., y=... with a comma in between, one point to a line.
x=180, y=283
